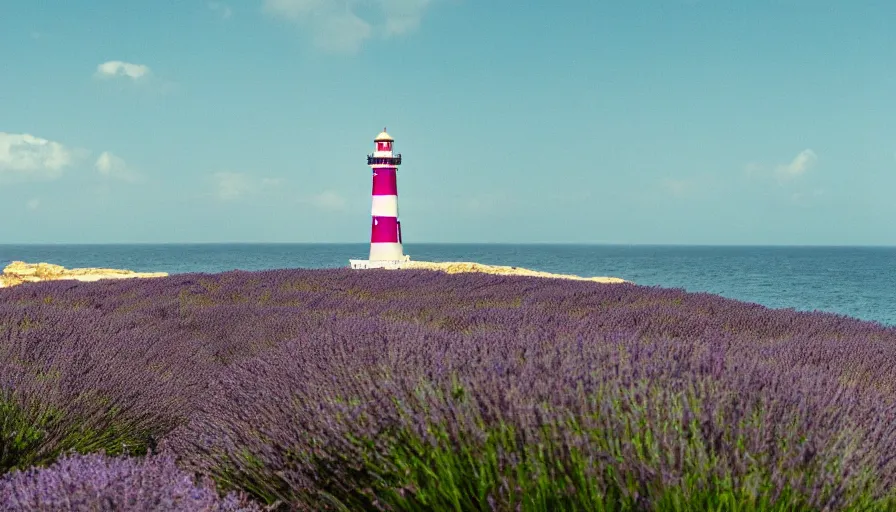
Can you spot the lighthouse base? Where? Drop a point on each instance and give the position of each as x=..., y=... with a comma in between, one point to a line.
x=387, y=264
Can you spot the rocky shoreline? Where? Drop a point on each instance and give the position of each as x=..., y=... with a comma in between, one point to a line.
x=454, y=267
x=19, y=272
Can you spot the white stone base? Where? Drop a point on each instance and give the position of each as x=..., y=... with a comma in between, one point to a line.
x=387, y=264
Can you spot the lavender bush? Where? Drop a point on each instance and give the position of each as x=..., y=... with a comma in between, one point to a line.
x=416, y=390
x=98, y=482
x=369, y=423
x=72, y=379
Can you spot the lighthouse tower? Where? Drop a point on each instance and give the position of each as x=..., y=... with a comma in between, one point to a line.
x=385, y=228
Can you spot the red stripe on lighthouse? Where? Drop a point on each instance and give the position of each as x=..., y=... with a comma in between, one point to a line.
x=384, y=183
x=384, y=230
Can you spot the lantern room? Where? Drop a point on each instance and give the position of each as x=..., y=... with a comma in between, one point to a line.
x=383, y=142
x=382, y=155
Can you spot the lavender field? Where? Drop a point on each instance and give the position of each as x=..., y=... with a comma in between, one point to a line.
x=417, y=390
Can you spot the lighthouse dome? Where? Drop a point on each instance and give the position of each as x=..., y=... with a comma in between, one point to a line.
x=383, y=137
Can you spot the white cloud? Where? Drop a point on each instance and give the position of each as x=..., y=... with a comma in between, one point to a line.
x=223, y=10
x=335, y=27
x=25, y=155
x=117, y=68
x=295, y=9
x=799, y=166
x=403, y=16
x=112, y=166
x=793, y=179
x=329, y=200
x=801, y=163
x=230, y=186
x=341, y=32
x=33, y=204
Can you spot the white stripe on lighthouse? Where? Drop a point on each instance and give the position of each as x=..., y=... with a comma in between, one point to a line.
x=385, y=251
x=385, y=206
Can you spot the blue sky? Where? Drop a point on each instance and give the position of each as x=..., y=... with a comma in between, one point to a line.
x=650, y=121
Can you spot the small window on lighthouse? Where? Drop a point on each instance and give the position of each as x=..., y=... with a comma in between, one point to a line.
x=385, y=146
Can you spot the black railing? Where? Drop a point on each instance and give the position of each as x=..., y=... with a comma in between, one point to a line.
x=384, y=160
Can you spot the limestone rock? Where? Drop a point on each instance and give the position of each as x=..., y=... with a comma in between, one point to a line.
x=454, y=267
x=19, y=272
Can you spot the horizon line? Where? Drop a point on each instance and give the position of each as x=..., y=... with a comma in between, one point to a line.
x=581, y=244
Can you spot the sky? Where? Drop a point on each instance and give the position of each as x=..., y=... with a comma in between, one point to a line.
x=583, y=121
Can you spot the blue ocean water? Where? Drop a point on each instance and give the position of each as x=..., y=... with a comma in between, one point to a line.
x=854, y=281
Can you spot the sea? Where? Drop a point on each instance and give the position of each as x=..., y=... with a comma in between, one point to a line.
x=855, y=281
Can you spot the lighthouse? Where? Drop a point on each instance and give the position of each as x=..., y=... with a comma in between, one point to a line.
x=385, y=228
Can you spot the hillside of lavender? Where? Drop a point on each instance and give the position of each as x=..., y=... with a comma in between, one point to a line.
x=855, y=281
x=416, y=390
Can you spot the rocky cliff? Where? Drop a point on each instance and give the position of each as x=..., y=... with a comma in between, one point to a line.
x=19, y=272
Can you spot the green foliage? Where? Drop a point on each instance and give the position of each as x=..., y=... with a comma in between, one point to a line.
x=33, y=434
x=22, y=429
x=487, y=465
